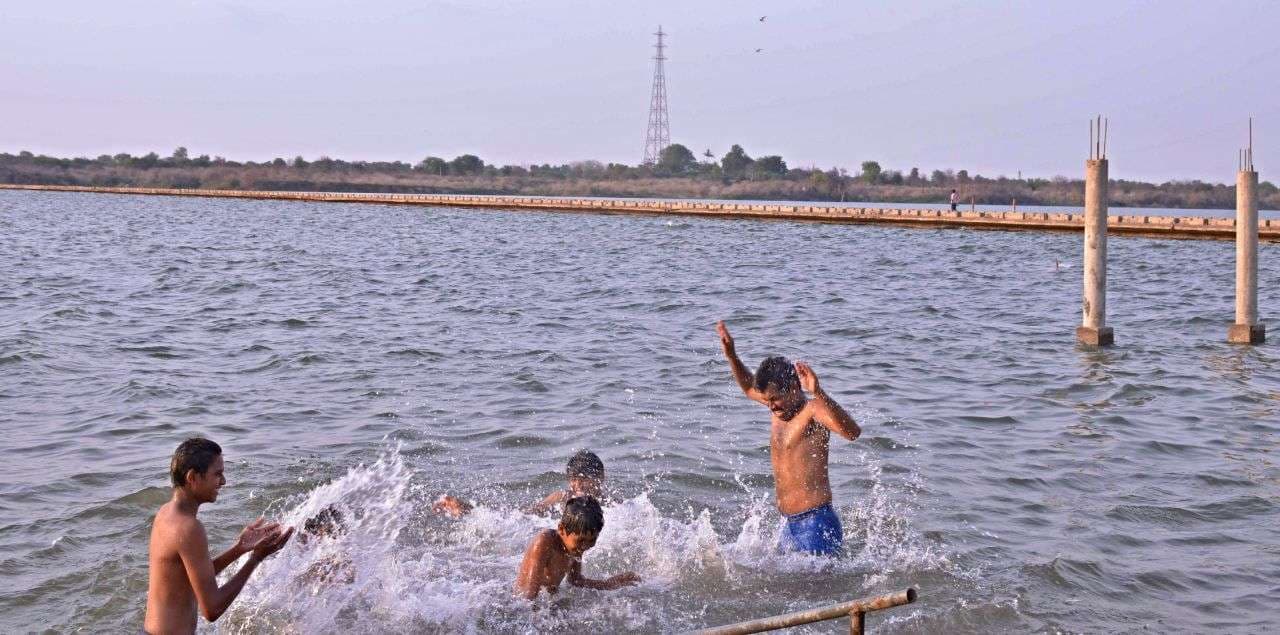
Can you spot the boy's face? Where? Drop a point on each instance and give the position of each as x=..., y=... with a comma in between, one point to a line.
x=577, y=544
x=205, y=486
x=585, y=486
x=780, y=402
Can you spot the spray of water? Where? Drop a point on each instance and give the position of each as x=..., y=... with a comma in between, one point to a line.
x=392, y=566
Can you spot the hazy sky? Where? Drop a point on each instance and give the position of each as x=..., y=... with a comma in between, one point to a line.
x=992, y=87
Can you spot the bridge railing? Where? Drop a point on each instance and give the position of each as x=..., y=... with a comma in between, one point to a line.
x=855, y=610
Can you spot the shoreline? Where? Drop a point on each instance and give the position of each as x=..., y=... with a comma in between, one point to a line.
x=1176, y=227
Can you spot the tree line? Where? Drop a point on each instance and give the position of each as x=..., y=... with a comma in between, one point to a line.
x=677, y=173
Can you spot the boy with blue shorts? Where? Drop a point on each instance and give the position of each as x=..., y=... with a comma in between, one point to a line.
x=798, y=445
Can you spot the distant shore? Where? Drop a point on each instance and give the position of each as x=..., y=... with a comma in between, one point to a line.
x=704, y=181
x=1180, y=227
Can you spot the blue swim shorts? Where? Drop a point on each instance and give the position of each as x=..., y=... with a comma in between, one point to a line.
x=815, y=532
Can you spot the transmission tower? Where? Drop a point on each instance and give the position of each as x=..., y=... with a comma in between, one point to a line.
x=658, y=136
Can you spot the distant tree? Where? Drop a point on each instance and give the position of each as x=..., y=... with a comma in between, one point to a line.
x=871, y=171
x=299, y=162
x=179, y=155
x=676, y=160
x=146, y=161
x=433, y=165
x=278, y=162
x=466, y=165
x=202, y=161
x=735, y=162
x=914, y=177
x=26, y=154
x=962, y=176
x=938, y=177
x=771, y=166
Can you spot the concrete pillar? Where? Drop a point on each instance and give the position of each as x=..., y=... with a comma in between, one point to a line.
x=1246, y=329
x=1093, y=330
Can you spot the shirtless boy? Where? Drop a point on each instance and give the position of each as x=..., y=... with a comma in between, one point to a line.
x=798, y=445
x=586, y=478
x=557, y=553
x=183, y=577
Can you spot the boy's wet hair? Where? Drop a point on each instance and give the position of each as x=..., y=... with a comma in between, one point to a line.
x=582, y=515
x=328, y=522
x=196, y=453
x=778, y=371
x=585, y=464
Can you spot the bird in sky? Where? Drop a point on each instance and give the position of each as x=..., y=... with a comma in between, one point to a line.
x=759, y=50
x=763, y=17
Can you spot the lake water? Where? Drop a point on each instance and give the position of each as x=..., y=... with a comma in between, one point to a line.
x=374, y=356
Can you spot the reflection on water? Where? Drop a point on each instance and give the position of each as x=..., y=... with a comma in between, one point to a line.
x=371, y=357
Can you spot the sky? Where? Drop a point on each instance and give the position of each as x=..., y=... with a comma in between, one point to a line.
x=992, y=87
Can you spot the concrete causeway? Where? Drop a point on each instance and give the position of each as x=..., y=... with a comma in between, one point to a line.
x=1132, y=224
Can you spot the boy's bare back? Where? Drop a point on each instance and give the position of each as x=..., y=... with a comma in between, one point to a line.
x=544, y=567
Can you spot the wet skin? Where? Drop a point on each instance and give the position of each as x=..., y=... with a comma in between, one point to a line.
x=183, y=578
x=800, y=431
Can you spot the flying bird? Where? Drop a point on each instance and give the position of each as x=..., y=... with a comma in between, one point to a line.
x=759, y=50
x=763, y=17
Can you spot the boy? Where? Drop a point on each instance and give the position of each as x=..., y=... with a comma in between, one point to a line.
x=556, y=553
x=586, y=478
x=798, y=446
x=327, y=524
x=182, y=576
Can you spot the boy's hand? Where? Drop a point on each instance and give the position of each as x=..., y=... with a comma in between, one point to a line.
x=272, y=544
x=624, y=579
x=254, y=534
x=726, y=340
x=808, y=380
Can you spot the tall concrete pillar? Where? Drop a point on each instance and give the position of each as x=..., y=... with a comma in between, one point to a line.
x=1246, y=330
x=1093, y=329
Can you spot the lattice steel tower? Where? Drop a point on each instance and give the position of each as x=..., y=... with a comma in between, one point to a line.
x=659, y=135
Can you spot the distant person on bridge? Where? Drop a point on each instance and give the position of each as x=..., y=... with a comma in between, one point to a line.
x=799, y=444
x=955, y=198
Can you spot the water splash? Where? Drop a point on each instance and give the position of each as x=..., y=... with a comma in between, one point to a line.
x=395, y=567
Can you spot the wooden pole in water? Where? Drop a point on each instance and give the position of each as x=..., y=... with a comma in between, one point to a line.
x=856, y=610
x=857, y=623
x=1246, y=329
x=1093, y=330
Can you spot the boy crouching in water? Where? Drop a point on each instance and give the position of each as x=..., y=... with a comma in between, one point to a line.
x=556, y=553
x=585, y=473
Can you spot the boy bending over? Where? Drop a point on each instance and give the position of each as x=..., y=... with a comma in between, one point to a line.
x=585, y=472
x=556, y=553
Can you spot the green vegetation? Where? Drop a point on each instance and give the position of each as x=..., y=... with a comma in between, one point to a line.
x=677, y=174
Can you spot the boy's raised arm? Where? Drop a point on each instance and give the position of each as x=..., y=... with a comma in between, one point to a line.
x=213, y=600
x=546, y=504
x=825, y=409
x=746, y=381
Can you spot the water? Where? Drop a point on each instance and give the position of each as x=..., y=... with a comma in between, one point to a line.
x=375, y=356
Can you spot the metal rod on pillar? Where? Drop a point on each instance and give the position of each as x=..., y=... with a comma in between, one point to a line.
x=1093, y=330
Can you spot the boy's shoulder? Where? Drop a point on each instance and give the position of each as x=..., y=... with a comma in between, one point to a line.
x=545, y=545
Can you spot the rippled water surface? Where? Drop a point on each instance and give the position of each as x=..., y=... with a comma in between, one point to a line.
x=375, y=356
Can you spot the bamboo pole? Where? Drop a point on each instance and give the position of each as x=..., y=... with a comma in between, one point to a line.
x=855, y=610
